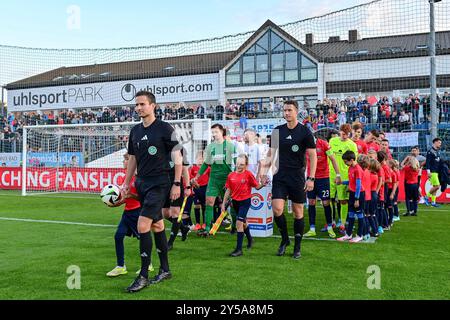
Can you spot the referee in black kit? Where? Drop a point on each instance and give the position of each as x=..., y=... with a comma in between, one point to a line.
x=151, y=146
x=289, y=144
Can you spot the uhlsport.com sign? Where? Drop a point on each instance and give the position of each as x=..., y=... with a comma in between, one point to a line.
x=173, y=89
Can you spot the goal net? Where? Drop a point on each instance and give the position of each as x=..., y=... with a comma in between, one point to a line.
x=84, y=158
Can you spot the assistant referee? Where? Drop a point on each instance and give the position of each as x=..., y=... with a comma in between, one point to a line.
x=288, y=147
x=152, y=145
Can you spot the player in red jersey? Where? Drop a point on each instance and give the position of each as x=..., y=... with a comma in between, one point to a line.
x=363, y=161
x=198, y=198
x=375, y=183
x=239, y=186
x=397, y=176
x=411, y=171
x=371, y=141
x=356, y=198
x=357, y=131
x=127, y=225
x=392, y=190
x=380, y=191
x=382, y=159
x=385, y=147
x=396, y=210
x=322, y=187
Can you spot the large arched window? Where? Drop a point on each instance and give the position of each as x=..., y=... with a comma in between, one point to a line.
x=271, y=60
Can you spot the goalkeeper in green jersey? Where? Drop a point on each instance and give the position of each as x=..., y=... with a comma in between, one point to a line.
x=221, y=156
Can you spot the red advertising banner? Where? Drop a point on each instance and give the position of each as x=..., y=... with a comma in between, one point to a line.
x=63, y=179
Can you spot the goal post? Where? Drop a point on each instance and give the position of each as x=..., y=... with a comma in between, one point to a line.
x=83, y=158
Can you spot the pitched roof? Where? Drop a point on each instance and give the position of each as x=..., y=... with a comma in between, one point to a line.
x=381, y=47
x=284, y=34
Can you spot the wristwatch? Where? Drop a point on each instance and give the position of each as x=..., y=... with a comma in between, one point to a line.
x=311, y=179
x=177, y=184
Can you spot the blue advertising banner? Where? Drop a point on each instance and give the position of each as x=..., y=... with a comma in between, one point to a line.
x=10, y=159
x=54, y=159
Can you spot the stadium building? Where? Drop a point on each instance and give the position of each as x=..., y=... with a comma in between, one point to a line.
x=270, y=65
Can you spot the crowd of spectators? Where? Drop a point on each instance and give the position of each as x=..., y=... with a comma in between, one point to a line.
x=391, y=114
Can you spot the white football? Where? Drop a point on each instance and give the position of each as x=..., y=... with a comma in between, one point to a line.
x=110, y=195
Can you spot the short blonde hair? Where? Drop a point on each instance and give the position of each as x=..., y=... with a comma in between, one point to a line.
x=414, y=163
x=245, y=157
x=393, y=164
x=363, y=161
x=374, y=165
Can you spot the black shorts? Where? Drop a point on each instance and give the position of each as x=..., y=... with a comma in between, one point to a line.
x=388, y=201
x=367, y=204
x=395, y=196
x=351, y=202
x=200, y=195
x=128, y=223
x=152, y=193
x=386, y=195
x=188, y=206
x=374, y=203
x=289, y=185
x=175, y=203
x=321, y=190
x=411, y=192
x=241, y=208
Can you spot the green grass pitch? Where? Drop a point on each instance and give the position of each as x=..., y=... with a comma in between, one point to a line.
x=413, y=259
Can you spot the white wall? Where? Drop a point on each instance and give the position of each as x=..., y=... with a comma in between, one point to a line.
x=386, y=68
x=272, y=90
x=321, y=83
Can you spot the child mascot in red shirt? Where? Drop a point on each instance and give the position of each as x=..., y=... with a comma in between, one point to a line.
x=356, y=198
x=239, y=187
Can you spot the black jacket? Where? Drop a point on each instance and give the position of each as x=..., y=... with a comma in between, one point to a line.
x=444, y=175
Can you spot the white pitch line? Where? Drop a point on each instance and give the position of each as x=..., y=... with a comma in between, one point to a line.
x=60, y=222
x=51, y=196
x=371, y=241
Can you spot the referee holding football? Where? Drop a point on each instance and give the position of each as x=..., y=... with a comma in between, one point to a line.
x=288, y=147
x=151, y=146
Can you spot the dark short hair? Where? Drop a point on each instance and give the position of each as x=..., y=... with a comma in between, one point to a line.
x=330, y=134
x=292, y=102
x=349, y=155
x=437, y=139
x=375, y=133
x=220, y=127
x=150, y=96
x=382, y=156
x=385, y=140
